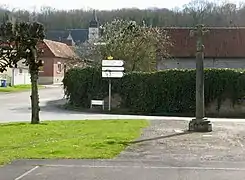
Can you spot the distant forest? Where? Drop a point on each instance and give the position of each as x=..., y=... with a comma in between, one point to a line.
x=197, y=11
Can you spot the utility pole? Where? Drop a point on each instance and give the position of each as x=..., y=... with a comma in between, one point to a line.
x=200, y=124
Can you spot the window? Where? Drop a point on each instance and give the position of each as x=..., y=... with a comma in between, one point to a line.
x=59, y=69
x=41, y=67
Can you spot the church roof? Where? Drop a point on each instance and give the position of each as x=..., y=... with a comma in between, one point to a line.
x=78, y=35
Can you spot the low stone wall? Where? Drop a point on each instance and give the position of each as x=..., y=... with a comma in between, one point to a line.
x=115, y=101
x=45, y=80
x=227, y=109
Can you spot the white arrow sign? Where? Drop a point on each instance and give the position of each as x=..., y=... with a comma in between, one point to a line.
x=112, y=68
x=112, y=63
x=112, y=74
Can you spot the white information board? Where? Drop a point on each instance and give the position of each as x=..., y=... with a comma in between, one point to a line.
x=112, y=68
x=114, y=63
x=107, y=74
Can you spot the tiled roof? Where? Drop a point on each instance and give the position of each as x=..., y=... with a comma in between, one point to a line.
x=57, y=49
x=60, y=50
x=219, y=42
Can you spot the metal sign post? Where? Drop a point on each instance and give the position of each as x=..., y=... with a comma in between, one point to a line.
x=109, y=108
x=112, y=69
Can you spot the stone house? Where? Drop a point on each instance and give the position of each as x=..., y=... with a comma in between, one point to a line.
x=224, y=48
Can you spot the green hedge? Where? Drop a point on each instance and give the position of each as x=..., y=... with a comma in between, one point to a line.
x=170, y=91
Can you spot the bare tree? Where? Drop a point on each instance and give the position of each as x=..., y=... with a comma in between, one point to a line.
x=199, y=10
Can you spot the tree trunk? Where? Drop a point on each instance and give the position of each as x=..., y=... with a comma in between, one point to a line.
x=34, y=98
x=34, y=70
x=133, y=66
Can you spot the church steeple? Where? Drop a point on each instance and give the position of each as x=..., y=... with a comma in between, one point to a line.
x=93, y=34
x=70, y=40
x=94, y=22
x=95, y=16
x=69, y=36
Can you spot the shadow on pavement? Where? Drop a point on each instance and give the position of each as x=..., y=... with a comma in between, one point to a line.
x=54, y=106
x=59, y=106
x=162, y=137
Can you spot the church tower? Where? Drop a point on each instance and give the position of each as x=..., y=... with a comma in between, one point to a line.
x=93, y=33
x=70, y=40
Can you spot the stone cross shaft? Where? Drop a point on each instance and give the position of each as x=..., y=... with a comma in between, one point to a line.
x=199, y=123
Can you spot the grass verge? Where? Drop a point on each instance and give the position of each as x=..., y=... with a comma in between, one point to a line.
x=17, y=88
x=93, y=139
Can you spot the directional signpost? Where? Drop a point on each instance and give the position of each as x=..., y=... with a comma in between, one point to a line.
x=112, y=69
x=110, y=74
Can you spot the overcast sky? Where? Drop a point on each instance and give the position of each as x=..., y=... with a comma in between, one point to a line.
x=97, y=4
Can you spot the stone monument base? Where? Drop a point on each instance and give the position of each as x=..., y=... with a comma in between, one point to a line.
x=200, y=125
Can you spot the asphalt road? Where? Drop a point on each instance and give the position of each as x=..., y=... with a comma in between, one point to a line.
x=121, y=170
x=16, y=107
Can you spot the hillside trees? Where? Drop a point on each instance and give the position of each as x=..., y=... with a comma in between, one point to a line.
x=210, y=12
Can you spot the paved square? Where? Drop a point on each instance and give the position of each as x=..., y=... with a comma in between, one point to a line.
x=225, y=143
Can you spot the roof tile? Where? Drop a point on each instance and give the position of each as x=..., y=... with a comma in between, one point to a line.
x=219, y=42
x=60, y=50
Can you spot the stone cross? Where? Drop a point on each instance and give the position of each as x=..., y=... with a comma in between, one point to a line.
x=199, y=32
x=200, y=123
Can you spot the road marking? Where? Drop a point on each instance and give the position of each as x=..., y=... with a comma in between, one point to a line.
x=207, y=135
x=146, y=167
x=26, y=173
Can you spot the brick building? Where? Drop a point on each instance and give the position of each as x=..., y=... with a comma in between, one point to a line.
x=55, y=57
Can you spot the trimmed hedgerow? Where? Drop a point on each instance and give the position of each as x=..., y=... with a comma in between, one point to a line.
x=169, y=91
